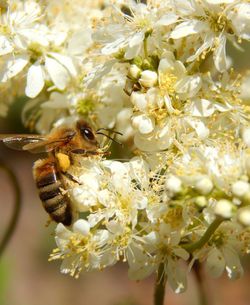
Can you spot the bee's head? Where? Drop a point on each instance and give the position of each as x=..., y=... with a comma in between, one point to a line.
x=87, y=135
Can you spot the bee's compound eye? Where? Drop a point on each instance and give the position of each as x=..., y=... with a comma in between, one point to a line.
x=87, y=134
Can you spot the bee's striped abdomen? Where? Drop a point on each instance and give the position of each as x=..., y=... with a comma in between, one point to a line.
x=50, y=189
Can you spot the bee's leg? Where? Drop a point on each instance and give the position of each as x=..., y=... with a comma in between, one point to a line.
x=86, y=152
x=71, y=177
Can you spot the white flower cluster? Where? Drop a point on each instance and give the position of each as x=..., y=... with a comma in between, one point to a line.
x=147, y=217
x=159, y=73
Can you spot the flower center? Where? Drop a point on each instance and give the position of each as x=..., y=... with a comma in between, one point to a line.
x=167, y=83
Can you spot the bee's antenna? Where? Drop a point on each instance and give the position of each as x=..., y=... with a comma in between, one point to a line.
x=109, y=137
x=106, y=129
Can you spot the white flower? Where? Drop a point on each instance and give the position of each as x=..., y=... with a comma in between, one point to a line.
x=131, y=30
x=170, y=253
x=212, y=23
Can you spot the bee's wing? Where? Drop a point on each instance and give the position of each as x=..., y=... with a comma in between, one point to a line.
x=19, y=141
x=50, y=143
x=36, y=143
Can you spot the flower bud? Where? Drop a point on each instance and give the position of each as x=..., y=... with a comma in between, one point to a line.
x=81, y=226
x=134, y=72
x=244, y=216
x=148, y=78
x=204, y=185
x=173, y=185
x=224, y=208
x=201, y=201
x=240, y=188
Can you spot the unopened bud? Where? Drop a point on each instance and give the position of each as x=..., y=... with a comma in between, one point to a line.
x=81, y=226
x=148, y=78
x=240, y=188
x=173, y=185
x=244, y=216
x=134, y=72
x=201, y=201
x=204, y=186
x=224, y=208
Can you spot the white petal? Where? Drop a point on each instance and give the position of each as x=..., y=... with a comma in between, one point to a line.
x=223, y=107
x=58, y=74
x=35, y=80
x=240, y=17
x=181, y=253
x=167, y=19
x=136, y=39
x=56, y=101
x=62, y=232
x=215, y=263
x=13, y=66
x=5, y=46
x=207, y=43
x=176, y=274
x=220, y=59
x=139, y=100
x=132, y=51
x=98, y=72
x=114, y=227
x=80, y=41
x=114, y=46
x=233, y=265
x=66, y=61
x=187, y=28
x=202, y=108
x=200, y=128
x=219, y=1
x=144, y=123
x=188, y=86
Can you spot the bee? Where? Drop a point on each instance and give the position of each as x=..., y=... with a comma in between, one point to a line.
x=49, y=172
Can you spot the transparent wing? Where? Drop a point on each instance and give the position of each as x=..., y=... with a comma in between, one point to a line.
x=19, y=141
x=36, y=143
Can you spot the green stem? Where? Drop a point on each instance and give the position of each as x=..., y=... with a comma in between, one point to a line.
x=16, y=211
x=160, y=286
x=206, y=237
x=145, y=47
x=201, y=287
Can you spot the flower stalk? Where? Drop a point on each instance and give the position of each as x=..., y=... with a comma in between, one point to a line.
x=16, y=210
x=160, y=284
x=206, y=237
